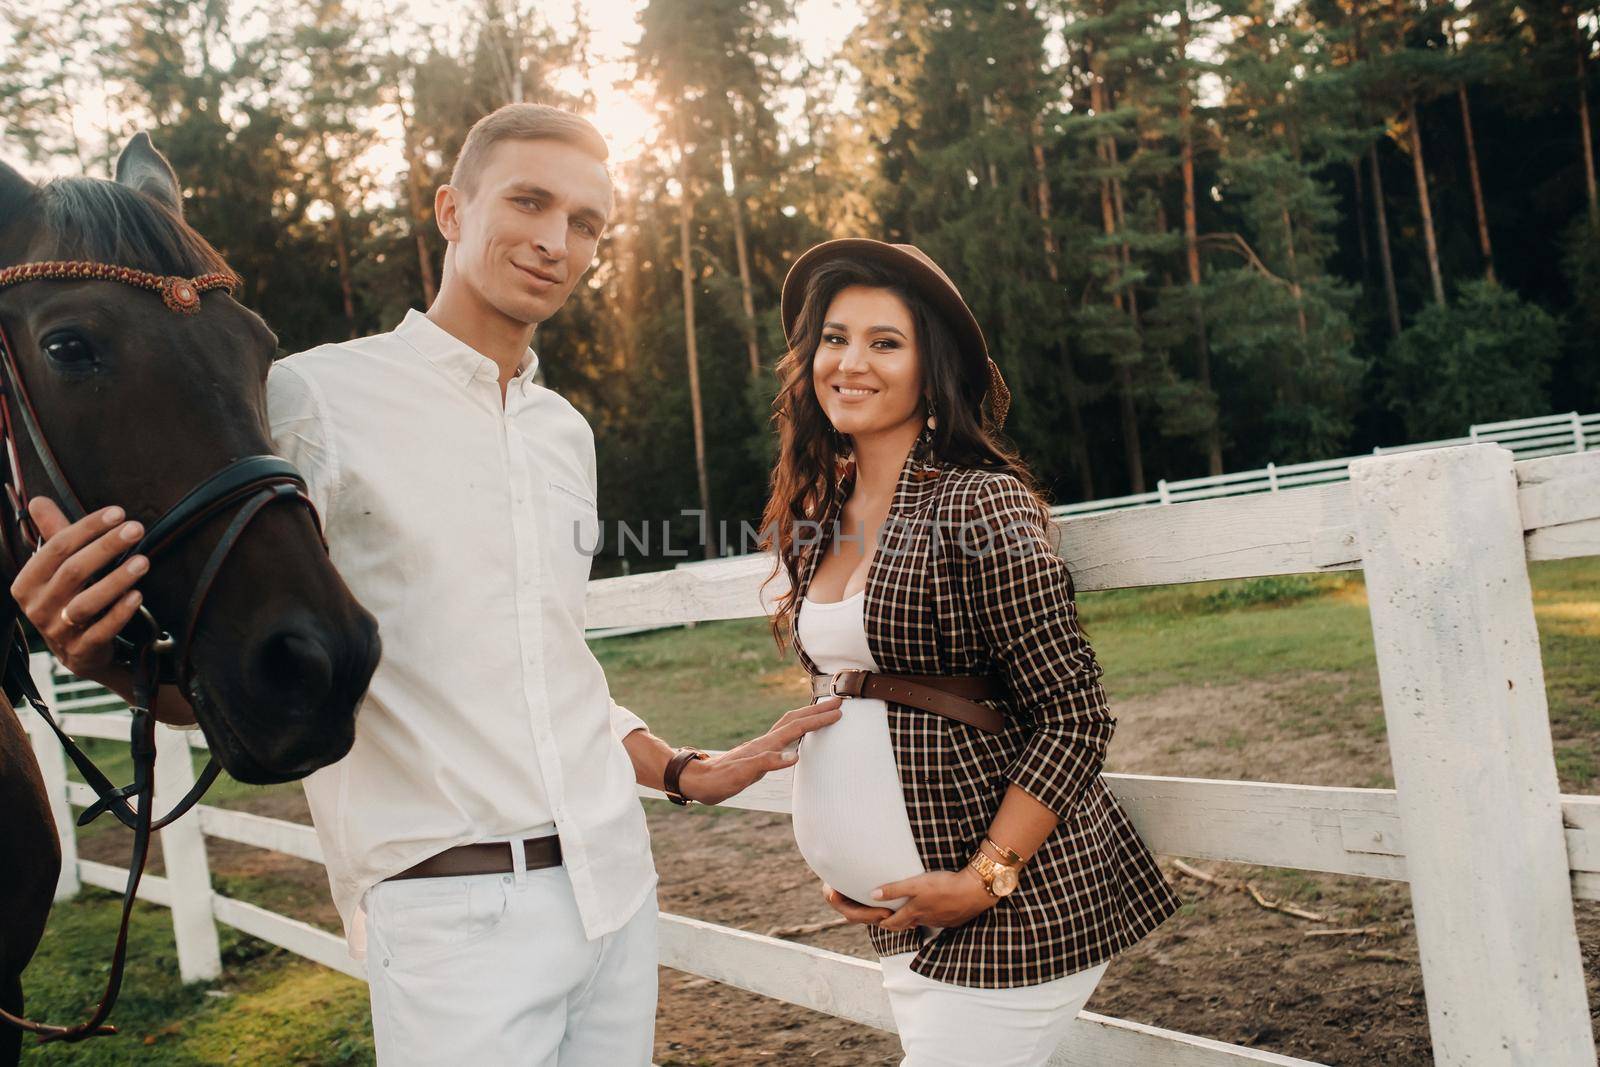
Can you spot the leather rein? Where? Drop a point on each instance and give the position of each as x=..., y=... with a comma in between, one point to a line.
x=244, y=487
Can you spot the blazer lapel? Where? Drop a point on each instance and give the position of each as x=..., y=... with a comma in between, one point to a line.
x=899, y=613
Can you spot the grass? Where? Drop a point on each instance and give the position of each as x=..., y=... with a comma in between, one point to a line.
x=270, y=1007
x=717, y=683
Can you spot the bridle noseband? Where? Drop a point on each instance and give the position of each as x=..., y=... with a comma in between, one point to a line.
x=245, y=487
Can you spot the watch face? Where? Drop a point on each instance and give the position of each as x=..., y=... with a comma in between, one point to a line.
x=1005, y=880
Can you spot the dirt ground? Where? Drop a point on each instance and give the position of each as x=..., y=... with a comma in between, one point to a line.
x=1224, y=967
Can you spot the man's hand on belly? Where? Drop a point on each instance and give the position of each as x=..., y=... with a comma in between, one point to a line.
x=711, y=781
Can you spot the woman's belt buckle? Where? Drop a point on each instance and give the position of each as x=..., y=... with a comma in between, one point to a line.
x=854, y=681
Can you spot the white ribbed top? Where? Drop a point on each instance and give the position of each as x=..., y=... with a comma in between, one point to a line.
x=850, y=819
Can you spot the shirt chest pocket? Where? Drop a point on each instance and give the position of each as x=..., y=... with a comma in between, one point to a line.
x=573, y=526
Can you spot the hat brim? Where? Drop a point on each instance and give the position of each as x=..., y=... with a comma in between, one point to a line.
x=922, y=276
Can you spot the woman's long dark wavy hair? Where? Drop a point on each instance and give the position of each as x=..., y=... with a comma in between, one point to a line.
x=805, y=480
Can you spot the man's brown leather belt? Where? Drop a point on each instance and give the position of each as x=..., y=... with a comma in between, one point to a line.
x=952, y=695
x=486, y=857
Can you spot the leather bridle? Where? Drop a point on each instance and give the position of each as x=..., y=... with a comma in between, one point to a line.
x=244, y=487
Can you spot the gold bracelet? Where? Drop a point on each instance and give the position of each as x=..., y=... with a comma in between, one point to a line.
x=1007, y=856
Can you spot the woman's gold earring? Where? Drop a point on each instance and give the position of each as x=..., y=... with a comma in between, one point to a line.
x=843, y=455
x=923, y=449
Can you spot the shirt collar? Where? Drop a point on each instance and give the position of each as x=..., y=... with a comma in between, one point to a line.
x=459, y=360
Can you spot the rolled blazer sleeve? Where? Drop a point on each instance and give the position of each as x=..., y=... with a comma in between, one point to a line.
x=1022, y=599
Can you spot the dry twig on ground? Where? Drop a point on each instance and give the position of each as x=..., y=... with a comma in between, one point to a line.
x=1246, y=887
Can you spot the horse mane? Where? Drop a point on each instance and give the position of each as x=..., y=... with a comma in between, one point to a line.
x=107, y=222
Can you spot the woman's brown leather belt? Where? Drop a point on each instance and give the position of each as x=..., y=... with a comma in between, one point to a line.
x=954, y=696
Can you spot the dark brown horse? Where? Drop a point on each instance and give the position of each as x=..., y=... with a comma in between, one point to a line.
x=140, y=405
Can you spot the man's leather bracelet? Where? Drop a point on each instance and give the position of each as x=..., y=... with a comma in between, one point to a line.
x=680, y=759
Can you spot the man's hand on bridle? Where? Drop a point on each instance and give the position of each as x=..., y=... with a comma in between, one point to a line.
x=78, y=617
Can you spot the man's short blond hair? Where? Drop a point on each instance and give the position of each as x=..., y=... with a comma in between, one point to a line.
x=522, y=122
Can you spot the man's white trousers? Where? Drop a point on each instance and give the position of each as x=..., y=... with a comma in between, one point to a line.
x=494, y=969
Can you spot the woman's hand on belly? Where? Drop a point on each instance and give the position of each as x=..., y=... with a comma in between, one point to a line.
x=946, y=899
x=853, y=910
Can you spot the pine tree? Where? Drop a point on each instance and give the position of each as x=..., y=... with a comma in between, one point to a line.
x=1283, y=319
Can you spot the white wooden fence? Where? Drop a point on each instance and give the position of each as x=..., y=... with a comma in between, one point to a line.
x=1493, y=852
x=1546, y=435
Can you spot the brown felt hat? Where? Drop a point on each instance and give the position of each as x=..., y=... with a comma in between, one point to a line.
x=924, y=276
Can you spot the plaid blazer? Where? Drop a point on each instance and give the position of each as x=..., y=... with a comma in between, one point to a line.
x=938, y=603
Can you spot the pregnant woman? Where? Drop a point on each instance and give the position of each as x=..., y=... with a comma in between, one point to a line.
x=957, y=807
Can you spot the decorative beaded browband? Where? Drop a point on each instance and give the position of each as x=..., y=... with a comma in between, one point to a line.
x=179, y=294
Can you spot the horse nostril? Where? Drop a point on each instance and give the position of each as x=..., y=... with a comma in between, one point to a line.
x=295, y=668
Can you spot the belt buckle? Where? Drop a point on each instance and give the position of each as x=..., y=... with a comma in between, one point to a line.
x=858, y=680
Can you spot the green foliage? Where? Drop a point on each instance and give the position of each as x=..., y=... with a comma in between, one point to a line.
x=1274, y=589
x=1485, y=357
x=1036, y=149
x=1581, y=262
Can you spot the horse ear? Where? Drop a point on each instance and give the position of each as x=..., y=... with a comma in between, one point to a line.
x=14, y=189
x=15, y=193
x=141, y=167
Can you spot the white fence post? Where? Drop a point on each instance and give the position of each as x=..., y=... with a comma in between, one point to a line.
x=1469, y=736
x=1577, y=432
x=183, y=853
x=53, y=764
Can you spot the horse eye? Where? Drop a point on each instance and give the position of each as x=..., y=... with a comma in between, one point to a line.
x=69, y=348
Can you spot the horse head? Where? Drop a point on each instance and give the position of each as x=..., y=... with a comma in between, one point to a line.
x=144, y=393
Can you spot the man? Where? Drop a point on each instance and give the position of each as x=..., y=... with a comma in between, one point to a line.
x=483, y=839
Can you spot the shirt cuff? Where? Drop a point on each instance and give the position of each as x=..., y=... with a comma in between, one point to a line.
x=624, y=722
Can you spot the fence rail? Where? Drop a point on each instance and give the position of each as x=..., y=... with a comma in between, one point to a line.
x=1545, y=435
x=1513, y=992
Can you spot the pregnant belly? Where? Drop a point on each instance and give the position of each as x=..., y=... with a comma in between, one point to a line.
x=850, y=820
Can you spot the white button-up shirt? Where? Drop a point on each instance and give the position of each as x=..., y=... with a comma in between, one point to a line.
x=466, y=527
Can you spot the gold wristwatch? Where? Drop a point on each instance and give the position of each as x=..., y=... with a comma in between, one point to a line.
x=999, y=878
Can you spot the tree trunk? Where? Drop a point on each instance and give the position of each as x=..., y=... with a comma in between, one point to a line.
x=751, y=343
x=1477, y=182
x=1586, y=137
x=686, y=249
x=430, y=287
x=1379, y=210
x=1361, y=223
x=1392, y=297
x=1294, y=274
x=341, y=246
x=1430, y=241
x=1078, y=437
x=1132, y=452
x=515, y=54
x=1191, y=239
x=625, y=251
